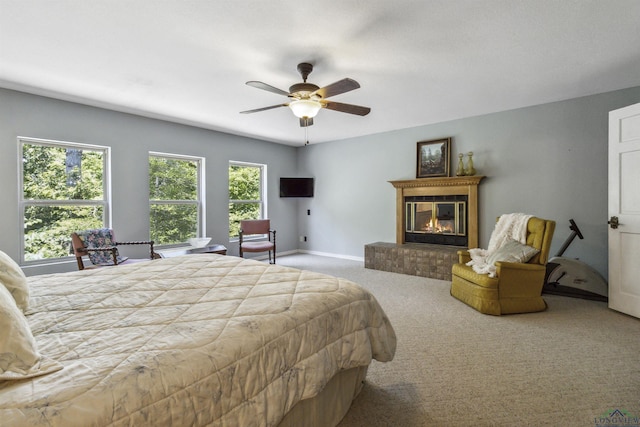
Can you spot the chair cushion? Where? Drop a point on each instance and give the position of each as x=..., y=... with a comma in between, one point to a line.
x=99, y=238
x=257, y=246
x=465, y=272
x=512, y=251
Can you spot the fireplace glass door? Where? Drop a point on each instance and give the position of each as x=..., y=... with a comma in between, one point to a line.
x=432, y=221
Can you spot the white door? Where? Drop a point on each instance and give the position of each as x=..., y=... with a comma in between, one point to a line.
x=624, y=210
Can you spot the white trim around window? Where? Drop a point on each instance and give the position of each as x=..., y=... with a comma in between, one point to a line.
x=24, y=203
x=200, y=201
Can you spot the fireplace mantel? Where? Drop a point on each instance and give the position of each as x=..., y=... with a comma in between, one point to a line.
x=444, y=186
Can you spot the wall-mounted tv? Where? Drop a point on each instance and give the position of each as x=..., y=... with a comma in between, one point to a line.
x=296, y=187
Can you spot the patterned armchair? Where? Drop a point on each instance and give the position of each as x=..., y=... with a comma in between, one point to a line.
x=101, y=247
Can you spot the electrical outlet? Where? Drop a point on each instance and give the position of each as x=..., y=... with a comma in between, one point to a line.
x=305, y=238
x=302, y=238
x=308, y=211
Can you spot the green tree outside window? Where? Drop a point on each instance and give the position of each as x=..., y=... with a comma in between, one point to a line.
x=174, y=197
x=63, y=191
x=246, y=183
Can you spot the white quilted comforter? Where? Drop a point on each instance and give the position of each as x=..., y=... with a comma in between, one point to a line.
x=189, y=341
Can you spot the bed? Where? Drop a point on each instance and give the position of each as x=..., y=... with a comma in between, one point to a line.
x=196, y=340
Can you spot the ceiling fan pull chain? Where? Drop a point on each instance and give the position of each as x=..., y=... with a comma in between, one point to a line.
x=306, y=135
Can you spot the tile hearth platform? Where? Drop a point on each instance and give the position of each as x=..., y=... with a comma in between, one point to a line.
x=415, y=259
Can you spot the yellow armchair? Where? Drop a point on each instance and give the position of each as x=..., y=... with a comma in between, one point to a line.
x=516, y=287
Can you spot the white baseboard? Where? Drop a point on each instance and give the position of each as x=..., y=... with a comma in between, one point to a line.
x=332, y=255
x=302, y=251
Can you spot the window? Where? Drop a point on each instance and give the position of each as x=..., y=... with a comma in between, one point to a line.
x=176, y=198
x=246, y=194
x=64, y=188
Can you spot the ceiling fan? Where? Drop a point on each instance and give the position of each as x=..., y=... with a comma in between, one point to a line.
x=307, y=98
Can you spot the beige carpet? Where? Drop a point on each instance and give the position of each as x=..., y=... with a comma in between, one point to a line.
x=565, y=366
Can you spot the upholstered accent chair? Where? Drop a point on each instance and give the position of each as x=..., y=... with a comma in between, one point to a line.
x=256, y=227
x=517, y=286
x=101, y=247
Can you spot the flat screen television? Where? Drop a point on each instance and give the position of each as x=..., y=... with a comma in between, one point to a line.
x=296, y=187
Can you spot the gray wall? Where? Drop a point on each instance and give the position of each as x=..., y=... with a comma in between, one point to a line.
x=548, y=160
x=131, y=138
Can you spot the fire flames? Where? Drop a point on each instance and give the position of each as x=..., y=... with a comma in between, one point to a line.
x=438, y=227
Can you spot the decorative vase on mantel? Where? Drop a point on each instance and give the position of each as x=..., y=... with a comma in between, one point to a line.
x=470, y=170
x=460, y=171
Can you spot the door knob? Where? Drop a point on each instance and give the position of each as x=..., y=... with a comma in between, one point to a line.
x=613, y=222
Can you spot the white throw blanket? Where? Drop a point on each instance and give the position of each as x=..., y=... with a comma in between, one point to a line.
x=509, y=226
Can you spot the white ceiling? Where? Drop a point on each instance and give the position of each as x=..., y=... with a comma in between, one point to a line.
x=417, y=61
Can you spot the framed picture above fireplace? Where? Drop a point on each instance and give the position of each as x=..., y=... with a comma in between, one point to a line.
x=433, y=158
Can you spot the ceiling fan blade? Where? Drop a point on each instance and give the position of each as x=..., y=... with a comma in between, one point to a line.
x=264, y=108
x=306, y=121
x=267, y=87
x=341, y=86
x=347, y=108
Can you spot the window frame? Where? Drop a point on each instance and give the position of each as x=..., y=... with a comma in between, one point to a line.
x=200, y=195
x=263, y=195
x=23, y=203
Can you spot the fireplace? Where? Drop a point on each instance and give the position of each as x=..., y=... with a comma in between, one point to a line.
x=441, y=211
x=440, y=220
x=434, y=218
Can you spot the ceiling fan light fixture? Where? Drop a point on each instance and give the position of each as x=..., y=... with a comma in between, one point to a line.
x=306, y=99
x=305, y=108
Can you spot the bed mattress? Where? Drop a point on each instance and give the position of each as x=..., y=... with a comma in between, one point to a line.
x=191, y=340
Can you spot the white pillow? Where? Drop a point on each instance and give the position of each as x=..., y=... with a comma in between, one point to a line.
x=19, y=357
x=512, y=251
x=13, y=278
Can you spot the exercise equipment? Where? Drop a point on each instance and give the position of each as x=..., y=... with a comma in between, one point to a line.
x=572, y=277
